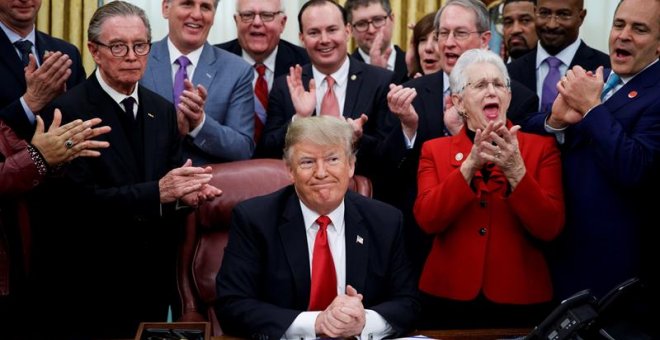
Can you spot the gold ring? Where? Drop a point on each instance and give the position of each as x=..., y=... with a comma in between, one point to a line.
x=68, y=144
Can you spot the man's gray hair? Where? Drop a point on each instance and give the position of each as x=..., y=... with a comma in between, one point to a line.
x=458, y=76
x=320, y=130
x=478, y=7
x=111, y=10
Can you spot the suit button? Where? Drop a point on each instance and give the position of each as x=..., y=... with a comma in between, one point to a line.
x=483, y=231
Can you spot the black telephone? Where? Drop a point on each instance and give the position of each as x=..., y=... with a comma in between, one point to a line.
x=572, y=315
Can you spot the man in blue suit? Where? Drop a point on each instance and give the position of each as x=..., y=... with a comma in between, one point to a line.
x=47, y=76
x=215, y=114
x=272, y=275
x=360, y=90
x=610, y=142
x=259, y=24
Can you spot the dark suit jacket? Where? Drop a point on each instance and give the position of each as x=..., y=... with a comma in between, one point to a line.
x=611, y=163
x=288, y=55
x=400, y=67
x=264, y=280
x=523, y=69
x=12, y=74
x=366, y=93
x=398, y=184
x=112, y=202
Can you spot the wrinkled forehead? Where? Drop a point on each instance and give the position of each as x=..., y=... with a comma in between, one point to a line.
x=483, y=71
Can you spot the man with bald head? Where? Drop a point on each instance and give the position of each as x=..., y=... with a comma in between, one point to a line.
x=559, y=49
x=260, y=24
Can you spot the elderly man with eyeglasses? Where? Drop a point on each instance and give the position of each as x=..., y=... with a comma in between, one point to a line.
x=559, y=49
x=372, y=22
x=210, y=88
x=260, y=24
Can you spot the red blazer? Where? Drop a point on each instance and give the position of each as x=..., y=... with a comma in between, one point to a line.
x=486, y=238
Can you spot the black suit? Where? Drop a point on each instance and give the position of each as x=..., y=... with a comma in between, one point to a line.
x=400, y=67
x=523, y=69
x=123, y=269
x=366, y=93
x=288, y=55
x=400, y=163
x=13, y=76
x=264, y=280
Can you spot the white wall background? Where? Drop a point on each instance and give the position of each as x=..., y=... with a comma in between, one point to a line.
x=594, y=31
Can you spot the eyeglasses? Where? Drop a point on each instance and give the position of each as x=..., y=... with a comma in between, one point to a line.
x=265, y=16
x=377, y=22
x=482, y=84
x=545, y=14
x=458, y=34
x=121, y=49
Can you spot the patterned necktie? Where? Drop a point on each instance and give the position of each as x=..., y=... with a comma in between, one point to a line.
x=329, y=104
x=25, y=47
x=261, y=100
x=324, y=277
x=550, y=83
x=612, y=81
x=179, y=77
x=128, y=104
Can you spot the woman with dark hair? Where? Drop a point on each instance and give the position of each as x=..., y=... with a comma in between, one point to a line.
x=422, y=55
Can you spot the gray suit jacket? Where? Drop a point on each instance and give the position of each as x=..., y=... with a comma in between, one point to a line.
x=229, y=126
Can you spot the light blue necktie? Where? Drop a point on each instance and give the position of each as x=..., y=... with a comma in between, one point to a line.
x=612, y=81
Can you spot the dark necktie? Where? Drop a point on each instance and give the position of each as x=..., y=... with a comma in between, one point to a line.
x=25, y=47
x=549, y=92
x=180, y=75
x=261, y=97
x=129, y=103
x=324, y=277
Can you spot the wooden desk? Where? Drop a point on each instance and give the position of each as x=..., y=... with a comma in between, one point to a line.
x=454, y=334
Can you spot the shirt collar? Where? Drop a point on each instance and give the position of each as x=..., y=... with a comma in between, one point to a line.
x=14, y=37
x=114, y=94
x=566, y=55
x=445, y=82
x=340, y=76
x=390, y=61
x=175, y=53
x=336, y=216
x=269, y=62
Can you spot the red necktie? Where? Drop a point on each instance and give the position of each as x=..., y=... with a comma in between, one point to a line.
x=261, y=95
x=329, y=104
x=324, y=278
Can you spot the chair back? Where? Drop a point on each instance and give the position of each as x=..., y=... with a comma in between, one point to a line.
x=207, y=230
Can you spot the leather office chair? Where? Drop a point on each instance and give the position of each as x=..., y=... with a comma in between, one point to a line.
x=207, y=230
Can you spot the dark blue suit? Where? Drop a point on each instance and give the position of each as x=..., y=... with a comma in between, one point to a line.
x=400, y=67
x=13, y=77
x=288, y=55
x=611, y=162
x=264, y=280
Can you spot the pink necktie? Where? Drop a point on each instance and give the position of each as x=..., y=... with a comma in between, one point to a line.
x=329, y=104
x=324, y=278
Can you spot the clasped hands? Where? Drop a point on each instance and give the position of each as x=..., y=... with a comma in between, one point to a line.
x=578, y=92
x=188, y=184
x=344, y=317
x=190, y=110
x=304, y=101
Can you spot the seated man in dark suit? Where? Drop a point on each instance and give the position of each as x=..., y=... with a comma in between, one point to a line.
x=421, y=107
x=373, y=23
x=55, y=66
x=313, y=259
x=333, y=84
x=559, y=49
x=259, y=24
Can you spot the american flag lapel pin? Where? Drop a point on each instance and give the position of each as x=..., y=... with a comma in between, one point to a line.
x=359, y=239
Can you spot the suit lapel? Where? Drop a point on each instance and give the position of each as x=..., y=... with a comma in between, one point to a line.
x=151, y=125
x=205, y=72
x=281, y=60
x=433, y=108
x=355, y=82
x=638, y=85
x=357, y=246
x=11, y=59
x=294, y=243
x=162, y=70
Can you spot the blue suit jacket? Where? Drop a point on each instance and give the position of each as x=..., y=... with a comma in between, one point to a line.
x=611, y=163
x=288, y=55
x=13, y=77
x=229, y=126
x=366, y=93
x=264, y=280
x=523, y=69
